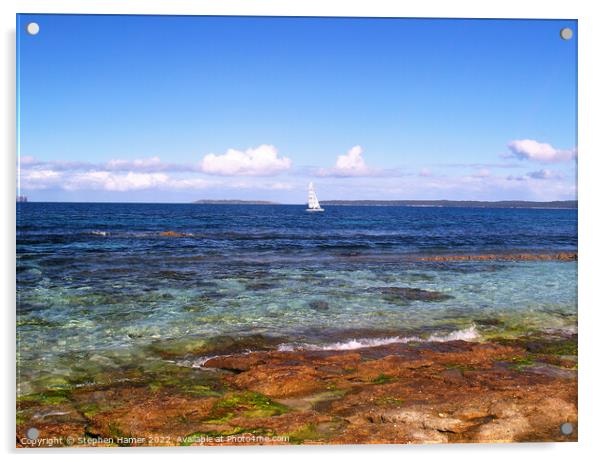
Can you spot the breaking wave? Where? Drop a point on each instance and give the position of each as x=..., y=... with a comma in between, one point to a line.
x=468, y=334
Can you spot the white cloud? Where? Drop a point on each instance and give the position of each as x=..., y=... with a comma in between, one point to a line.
x=260, y=161
x=39, y=179
x=352, y=161
x=110, y=181
x=453, y=187
x=541, y=152
x=350, y=164
x=40, y=175
x=106, y=180
x=537, y=185
x=131, y=181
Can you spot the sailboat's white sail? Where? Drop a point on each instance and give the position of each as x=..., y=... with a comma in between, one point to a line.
x=312, y=200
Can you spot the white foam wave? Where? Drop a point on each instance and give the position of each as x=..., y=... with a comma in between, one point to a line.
x=202, y=360
x=564, y=331
x=468, y=334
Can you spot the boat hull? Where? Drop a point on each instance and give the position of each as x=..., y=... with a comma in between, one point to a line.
x=314, y=210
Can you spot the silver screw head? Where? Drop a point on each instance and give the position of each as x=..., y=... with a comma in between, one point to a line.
x=33, y=28
x=566, y=33
x=566, y=428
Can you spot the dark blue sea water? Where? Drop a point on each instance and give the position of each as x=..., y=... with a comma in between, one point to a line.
x=100, y=281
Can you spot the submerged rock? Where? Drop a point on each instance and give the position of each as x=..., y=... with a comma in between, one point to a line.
x=173, y=234
x=489, y=322
x=408, y=294
x=218, y=345
x=562, y=256
x=319, y=305
x=261, y=285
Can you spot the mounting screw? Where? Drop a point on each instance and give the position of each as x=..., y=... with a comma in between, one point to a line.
x=33, y=28
x=566, y=428
x=566, y=33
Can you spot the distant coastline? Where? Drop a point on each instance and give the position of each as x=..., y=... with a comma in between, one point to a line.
x=415, y=203
x=449, y=203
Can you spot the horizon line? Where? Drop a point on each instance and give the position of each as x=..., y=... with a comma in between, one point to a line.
x=268, y=202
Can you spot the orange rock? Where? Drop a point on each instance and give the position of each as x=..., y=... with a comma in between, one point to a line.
x=280, y=381
x=562, y=256
x=389, y=367
x=172, y=234
x=399, y=393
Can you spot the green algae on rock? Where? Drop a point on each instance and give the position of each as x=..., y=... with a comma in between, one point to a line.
x=202, y=345
x=440, y=392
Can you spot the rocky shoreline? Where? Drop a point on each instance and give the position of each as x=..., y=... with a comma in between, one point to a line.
x=500, y=390
x=561, y=256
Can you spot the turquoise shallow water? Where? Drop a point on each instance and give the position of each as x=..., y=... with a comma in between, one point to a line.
x=98, y=285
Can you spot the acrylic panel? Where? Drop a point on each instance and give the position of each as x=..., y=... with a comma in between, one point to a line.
x=295, y=230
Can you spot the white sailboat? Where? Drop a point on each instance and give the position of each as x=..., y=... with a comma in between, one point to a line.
x=312, y=200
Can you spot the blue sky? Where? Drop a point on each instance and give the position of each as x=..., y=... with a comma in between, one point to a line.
x=174, y=109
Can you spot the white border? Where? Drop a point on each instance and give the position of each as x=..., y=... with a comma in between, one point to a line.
x=590, y=195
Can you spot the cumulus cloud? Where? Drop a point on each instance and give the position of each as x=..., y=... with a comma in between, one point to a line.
x=106, y=180
x=541, y=152
x=260, y=161
x=109, y=181
x=350, y=164
x=122, y=175
x=352, y=161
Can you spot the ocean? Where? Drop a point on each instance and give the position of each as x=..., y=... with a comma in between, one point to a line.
x=102, y=287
